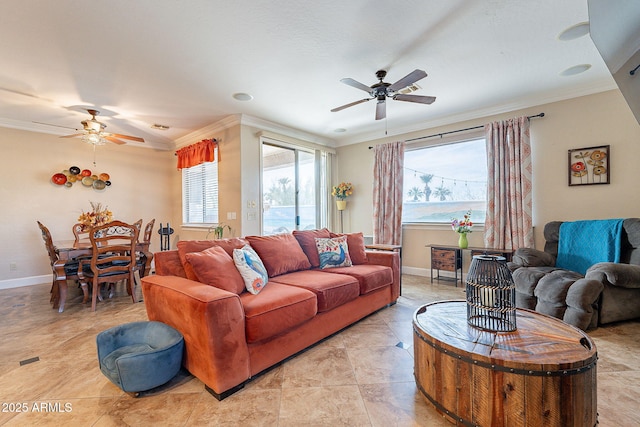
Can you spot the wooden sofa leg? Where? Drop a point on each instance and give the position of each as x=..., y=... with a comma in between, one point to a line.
x=224, y=394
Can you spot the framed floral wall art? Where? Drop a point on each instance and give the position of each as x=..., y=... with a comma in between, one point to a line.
x=588, y=166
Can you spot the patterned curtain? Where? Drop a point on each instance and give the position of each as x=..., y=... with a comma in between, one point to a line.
x=508, y=224
x=387, y=193
x=198, y=153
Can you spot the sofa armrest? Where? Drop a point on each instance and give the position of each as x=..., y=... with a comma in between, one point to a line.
x=616, y=274
x=530, y=257
x=212, y=323
x=388, y=259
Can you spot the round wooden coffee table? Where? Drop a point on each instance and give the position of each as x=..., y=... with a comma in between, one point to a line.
x=542, y=374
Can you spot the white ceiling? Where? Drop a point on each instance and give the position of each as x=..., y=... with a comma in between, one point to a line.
x=177, y=63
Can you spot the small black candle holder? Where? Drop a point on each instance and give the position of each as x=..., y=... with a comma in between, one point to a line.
x=491, y=294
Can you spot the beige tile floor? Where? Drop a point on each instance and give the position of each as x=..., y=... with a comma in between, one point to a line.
x=362, y=376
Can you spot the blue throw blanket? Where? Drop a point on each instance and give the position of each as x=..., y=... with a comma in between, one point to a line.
x=584, y=243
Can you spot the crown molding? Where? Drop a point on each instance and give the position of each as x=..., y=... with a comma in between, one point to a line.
x=286, y=131
x=207, y=131
x=251, y=121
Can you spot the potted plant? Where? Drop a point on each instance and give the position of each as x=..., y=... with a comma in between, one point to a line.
x=218, y=230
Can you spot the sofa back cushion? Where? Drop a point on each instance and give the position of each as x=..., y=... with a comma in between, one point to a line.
x=307, y=241
x=551, y=237
x=631, y=241
x=215, y=267
x=280, y=253
x=188, y=246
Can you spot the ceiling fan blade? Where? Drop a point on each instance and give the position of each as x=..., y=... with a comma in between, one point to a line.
x=114, y=140
x=415, y=98
x=356, y=84
x=72, y=136
x=351, y=104
x=58, y=126
x=133, y=138
x=381, y=110
x=407, y=80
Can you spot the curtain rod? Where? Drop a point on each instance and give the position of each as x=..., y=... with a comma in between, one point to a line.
x=456, y=131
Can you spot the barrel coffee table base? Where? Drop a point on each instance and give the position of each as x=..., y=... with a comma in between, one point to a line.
x=542, y=374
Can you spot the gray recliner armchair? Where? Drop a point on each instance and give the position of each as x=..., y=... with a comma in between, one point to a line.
x=607, y=292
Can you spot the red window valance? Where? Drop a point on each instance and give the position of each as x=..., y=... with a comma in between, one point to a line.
x=198, y=153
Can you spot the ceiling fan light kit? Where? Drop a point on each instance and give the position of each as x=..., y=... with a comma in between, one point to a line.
x=93, y=139
x=94, y=134
x=383, y=90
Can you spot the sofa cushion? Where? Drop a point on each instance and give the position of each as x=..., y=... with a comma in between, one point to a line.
x=187, y=246
x=357, y=251
x=333, y=252
x=331, y=290
x=215, y=267
x=276, y=309
x=370, y=276
x=307, y=241
x=280, y=253
x=251, y=268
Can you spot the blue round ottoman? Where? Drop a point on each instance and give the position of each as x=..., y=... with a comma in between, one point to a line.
x=139, y=356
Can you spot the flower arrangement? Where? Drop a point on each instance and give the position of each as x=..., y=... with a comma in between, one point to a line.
x=98, y=215
x=463, y=226
x=343, y=190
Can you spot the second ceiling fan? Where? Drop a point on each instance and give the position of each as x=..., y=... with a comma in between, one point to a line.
x=382, y=90
x=94, y=132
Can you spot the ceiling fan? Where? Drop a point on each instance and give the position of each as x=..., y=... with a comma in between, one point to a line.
x=382, y=90
x=93, y=132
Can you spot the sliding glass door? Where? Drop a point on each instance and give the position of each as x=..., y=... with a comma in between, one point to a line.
x=289, y=189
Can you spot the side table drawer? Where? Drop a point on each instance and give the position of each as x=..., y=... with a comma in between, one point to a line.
x=443, y=259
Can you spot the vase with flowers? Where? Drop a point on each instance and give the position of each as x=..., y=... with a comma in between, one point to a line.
x=98, y=215
x=462, y=227
x=341, y=192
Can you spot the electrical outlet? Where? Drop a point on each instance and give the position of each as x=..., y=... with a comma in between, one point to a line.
x=13, y=266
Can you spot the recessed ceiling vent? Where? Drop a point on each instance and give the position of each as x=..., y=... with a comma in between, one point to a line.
x=411, y=88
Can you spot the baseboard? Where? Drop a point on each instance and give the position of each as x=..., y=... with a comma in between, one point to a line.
x=424, y=272
x=415, y=271
x=25, y=281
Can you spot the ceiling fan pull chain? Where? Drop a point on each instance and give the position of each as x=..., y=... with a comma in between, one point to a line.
x=94, y=155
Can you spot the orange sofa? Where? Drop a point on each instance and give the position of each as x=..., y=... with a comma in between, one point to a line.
x=232, y=335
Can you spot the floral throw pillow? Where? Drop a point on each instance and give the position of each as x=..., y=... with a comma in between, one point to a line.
x=333, y=252
x=251, y=269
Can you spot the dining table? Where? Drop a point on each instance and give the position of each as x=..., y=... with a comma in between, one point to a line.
x=69, y=250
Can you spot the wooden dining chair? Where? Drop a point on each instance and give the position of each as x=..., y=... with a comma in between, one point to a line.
x=144, y=257
x=113, y=257
x=59, y=285
x=80, y=231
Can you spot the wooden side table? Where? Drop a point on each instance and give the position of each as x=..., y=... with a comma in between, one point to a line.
x=541, y=374
x=451, y=258
x=447, y=258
